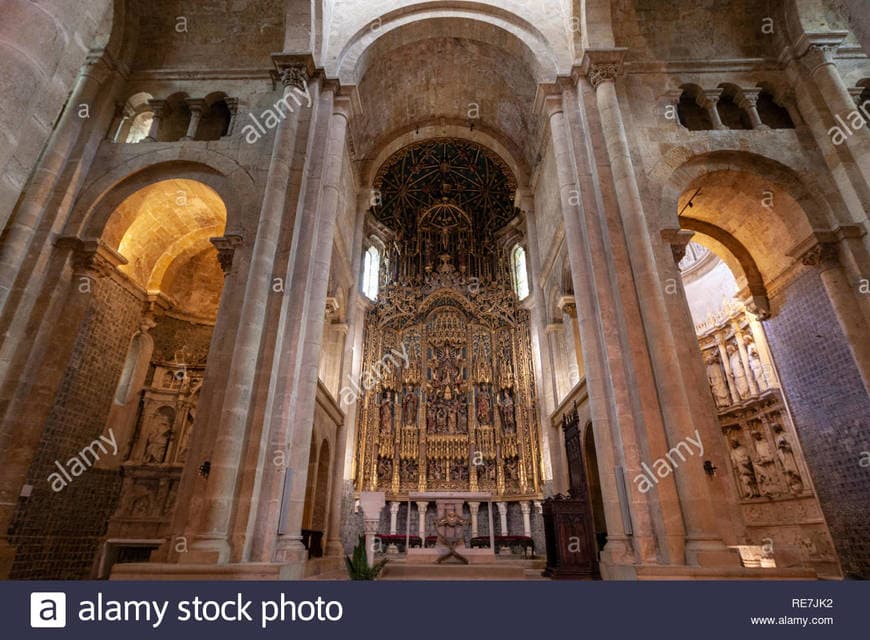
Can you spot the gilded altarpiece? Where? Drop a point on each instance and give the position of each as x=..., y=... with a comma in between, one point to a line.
x=449, y=402
x=453, y=406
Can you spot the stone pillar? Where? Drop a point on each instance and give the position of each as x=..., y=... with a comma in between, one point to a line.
x=572, y=338
x=502, y=518
x=748, y=101
x=826, y=257
x=37, y=198
x=526, y=506
x=709, y=101
x=818, y=58
x=158, y=108
x=421, y=515
x=233, y=107
x=685, y=404
x=196, y=106
x=347, y=396
x=291, y=401
x=614, y=442
x=394, y=517
x=555, y=333
x=211, y=538
x=474, y=508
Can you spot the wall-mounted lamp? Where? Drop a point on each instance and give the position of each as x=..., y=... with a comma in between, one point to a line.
x=205, y=469
x=709, y=469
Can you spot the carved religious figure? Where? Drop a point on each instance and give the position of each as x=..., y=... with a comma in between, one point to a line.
x=506, y=409
x=385, y=469
x=764, y=465
x=716, y=378
x=738, y=373
x=484, y=407
x=386, y=413
x=745, y=470
x=786, y=456
x=409, y=470
x=159, y=435
x=757, y=367
x=409, y=407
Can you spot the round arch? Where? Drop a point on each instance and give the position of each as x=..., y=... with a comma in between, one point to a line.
x=474, y=21
x=229, y=180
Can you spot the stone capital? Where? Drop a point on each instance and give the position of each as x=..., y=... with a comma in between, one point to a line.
x=568, y=306
x=602, y=65
x=158, y=107
x=196, y=105
x=293, y=70
x=816, y=50
x=226, y=247
x=824, y=255
x=91, y=258
x=678, y=239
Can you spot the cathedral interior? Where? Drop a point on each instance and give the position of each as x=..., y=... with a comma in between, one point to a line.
x=584, y=282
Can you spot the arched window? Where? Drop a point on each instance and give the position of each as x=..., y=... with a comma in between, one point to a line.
x=371, y=270
x=521, y=275
x=140, y=127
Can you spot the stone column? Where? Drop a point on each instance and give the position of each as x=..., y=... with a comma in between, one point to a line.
x=526, y=506
x=421, y=528
x=818, y=58
x=233, y=107
x=502, y=518
x=291, y=401
x=555, y=333
x=474, y=508
x=394, y=517
x=826, y=257
x=572, y=338
x=347, y=396
x=709, y=101
x=37, y=198
x=211, y=539
x=685, y=403
x=158, y=108
x=196, y=106
x=748, y=101
x=614, y=442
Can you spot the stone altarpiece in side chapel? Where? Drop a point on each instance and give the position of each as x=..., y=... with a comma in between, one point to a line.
x=446, y=342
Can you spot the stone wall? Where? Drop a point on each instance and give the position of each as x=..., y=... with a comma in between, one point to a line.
x=172, y=334
x=830, y=408
x=57, y=533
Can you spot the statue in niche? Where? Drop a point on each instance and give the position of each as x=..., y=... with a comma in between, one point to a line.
x=441, y=420
x=430, y=419
x=168, y=379
x=716, y=378
x=409, y=470
x=756, y=366
x=385, y=469
x=506, y=409
x=745, y=471
x=786, y=456
x=159, y=435
x=451, y=417
x=462, y=424
x=764, y=465
x=409, y=407
x=436, y=469
x=738, y=374
x=386, y=413
x=459, y=471
x=511, y=469
x=484, y=407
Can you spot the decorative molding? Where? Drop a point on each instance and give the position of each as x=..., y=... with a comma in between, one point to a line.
x=226, y=247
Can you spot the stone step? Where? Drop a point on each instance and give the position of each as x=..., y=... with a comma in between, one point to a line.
x=505, y=570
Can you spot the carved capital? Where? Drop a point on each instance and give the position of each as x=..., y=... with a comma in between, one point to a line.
x=196, y=105
x=602, y=65
x=158, y=107
x=293, y=71
x=226, y=247
x=568, y=306
x=91, y=258
x=824, y=255
x=232, y=105
x=678, y=239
